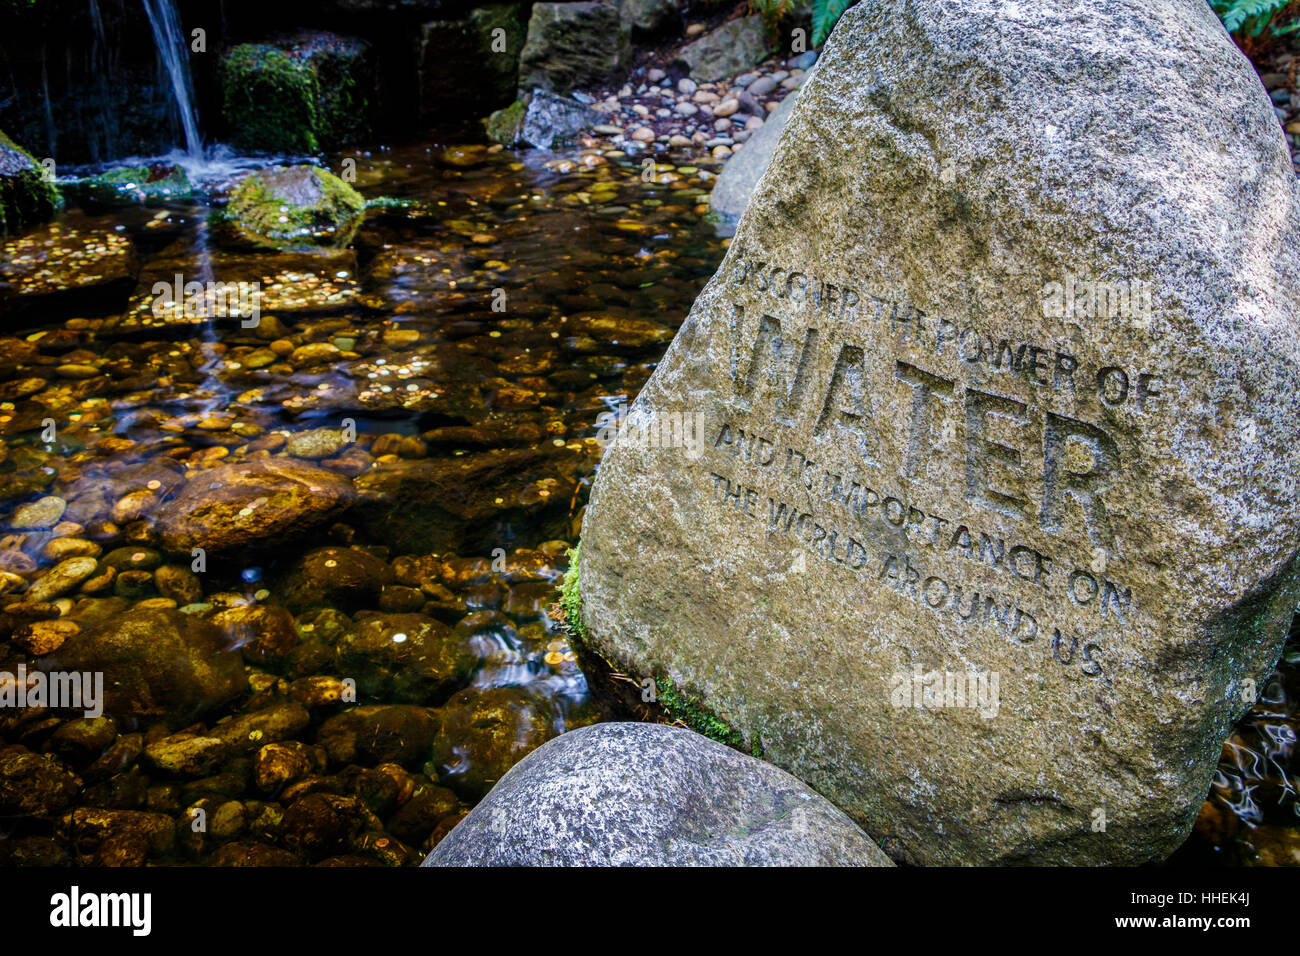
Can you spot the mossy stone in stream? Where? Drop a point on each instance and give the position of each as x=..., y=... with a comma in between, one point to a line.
x=27, y=195
x=269, y=100
x=300, y=94
x=505, y=125
x=136, y=184
x=292, y=206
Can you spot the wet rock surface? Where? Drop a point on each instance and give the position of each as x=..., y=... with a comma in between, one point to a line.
x=156, y=662
x=61, y=267
x=292, y=206
x=625, y=794
x=255, y=503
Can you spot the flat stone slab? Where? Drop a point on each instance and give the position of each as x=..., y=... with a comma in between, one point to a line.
x=59, y=269
x=651, y=795
x=967, y=491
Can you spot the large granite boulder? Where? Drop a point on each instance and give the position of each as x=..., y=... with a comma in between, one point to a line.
x=994, y=528
x=574, y=46
x=651, y=795
x=738, y=178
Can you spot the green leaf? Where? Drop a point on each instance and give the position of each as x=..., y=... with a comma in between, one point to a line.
x=826, y=13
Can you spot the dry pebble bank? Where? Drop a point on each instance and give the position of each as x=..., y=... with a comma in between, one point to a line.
x=1279, y=78
x=662, y=110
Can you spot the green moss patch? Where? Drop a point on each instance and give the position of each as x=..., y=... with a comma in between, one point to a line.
x=693, y=714
x=300, y=95
x=136, y=184
x=27, y=196
x=674, y=704
x=505, y=125
x=295, y=206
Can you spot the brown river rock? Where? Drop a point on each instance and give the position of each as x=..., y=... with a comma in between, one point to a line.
x=257, y=502
x=156, y=663
x=983, y=518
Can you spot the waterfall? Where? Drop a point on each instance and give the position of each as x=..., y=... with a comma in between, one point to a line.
x=174, y=53
x=104, y=70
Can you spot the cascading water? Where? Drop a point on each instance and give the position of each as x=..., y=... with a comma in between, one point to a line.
x=174, y=53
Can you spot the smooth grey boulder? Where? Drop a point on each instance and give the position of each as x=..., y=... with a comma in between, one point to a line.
x=651, y=795
x=741, y=174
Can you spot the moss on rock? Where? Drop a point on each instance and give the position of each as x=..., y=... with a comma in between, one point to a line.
x=571, y=593
x=674, y=704
x=300, y=94
x=27, y=195
x=505, y=125
x=294, y=206
x=269, y=100
x=136, y=184
x=689, y=711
